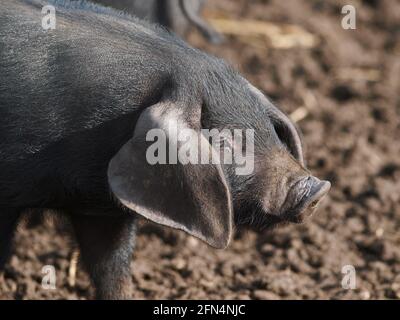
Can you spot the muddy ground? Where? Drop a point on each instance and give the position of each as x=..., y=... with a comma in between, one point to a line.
x=344, y=91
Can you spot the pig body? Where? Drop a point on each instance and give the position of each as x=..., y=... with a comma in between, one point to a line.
x=177, y=15
x=75, y=104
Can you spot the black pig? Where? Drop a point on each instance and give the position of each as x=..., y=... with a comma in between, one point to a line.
x=75, y=105
x=177, y=15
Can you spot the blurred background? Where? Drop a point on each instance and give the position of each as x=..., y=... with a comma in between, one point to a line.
x=342, y=89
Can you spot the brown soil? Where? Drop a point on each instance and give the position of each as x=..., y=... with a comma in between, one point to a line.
x=349, y=85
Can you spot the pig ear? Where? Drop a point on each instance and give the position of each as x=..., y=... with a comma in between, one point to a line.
x=284, y=127
x=191, y=197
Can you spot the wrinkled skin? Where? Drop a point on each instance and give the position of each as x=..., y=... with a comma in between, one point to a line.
x=75, y=105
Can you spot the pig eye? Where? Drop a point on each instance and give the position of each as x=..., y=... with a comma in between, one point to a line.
x=290, y=138
x=281, y=133
x=285, y=137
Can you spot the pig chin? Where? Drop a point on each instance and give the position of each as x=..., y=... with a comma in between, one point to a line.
x=255, y=218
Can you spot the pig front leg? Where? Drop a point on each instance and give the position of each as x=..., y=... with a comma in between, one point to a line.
x=8, y=223
x=106, y=246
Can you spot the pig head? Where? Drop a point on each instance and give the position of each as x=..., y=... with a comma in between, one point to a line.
x=207, y=200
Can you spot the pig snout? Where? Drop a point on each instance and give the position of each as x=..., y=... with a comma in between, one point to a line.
x=304, y=197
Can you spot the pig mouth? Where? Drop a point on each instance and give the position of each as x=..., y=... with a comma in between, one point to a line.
x=305, y=196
